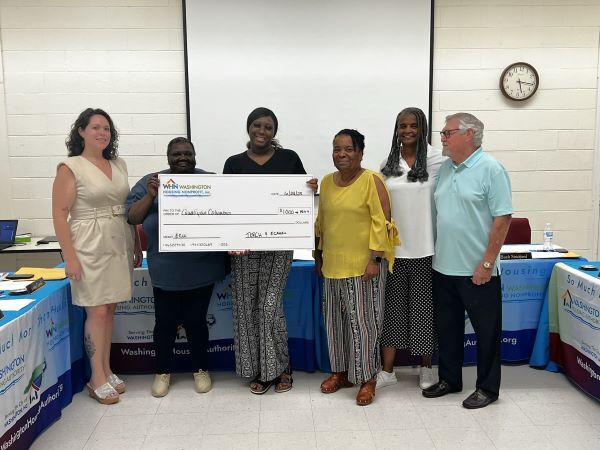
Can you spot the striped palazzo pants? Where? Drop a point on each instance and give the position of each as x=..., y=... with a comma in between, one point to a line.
x=353, y=311
x=260, y=332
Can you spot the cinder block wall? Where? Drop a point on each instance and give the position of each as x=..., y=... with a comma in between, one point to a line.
x=547, y=143
x=60, y=57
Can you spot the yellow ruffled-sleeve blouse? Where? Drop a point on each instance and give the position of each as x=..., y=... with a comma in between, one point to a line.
x=350, y=224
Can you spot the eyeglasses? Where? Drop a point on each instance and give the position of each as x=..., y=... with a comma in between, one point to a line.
x=447, y=133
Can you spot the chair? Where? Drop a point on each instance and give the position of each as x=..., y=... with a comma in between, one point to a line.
x=519, y=231
x=143, y=239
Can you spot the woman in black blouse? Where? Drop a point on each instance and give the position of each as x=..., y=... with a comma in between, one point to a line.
x=259, y=277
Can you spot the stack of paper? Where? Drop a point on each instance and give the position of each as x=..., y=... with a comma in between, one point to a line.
x=10, y=286
x=45, y=273
x=15, y=304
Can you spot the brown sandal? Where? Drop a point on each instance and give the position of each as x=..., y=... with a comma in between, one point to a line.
x=335, y=382
x=366, y=393
x=285, y=381
x=260, y=387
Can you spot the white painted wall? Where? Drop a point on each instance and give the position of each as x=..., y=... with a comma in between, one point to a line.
x=60, y=56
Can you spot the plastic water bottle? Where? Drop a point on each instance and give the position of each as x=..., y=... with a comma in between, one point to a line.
x=548, y=237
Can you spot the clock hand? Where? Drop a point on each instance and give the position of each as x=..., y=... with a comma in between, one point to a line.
x=520, y=87
x=525, y=82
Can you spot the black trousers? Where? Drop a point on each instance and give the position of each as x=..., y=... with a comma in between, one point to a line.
x=452, y=295
x=172, y=308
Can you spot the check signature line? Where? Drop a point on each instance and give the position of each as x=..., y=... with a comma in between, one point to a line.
x=277, y=237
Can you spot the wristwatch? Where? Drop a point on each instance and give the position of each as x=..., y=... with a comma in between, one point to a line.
x=377, y=259
x=487, y=265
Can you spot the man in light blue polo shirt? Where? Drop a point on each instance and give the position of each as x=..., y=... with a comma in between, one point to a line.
x=474, y=208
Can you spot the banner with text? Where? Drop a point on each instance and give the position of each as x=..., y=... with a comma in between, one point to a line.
x=574, y=318
x=35, y=365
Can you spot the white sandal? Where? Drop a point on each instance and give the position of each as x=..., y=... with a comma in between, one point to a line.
x=104, y=394
x=117, y=384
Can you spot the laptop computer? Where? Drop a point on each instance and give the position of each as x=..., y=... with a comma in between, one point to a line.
x=8, y=231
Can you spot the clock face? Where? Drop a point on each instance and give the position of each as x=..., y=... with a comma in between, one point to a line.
x=519, y=81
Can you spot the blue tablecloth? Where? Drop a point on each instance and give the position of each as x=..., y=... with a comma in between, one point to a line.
x=524, y=285
x=41, y=363
x=133, y=348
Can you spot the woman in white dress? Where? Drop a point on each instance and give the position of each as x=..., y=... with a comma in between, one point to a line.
x=410, y=172
x=99, y=247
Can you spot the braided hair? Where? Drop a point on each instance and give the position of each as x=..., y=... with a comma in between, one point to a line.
x=418, y=172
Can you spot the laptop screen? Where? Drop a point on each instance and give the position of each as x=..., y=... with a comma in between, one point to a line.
x=8, y=231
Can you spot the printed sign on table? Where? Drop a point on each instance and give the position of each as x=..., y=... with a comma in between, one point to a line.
x=35, y=366
x=574, y=310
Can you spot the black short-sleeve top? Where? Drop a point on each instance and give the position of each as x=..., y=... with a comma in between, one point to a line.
x=283, y=161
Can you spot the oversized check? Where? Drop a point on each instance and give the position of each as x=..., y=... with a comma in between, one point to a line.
x=235, y=212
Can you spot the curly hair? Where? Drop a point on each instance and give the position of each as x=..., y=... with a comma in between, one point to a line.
x=418, y=172
x=75, y=143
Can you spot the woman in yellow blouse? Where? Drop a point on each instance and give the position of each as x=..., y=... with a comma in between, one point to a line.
x=355, y=241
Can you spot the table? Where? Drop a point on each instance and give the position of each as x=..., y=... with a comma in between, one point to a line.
x=133, y=348
x=523, y=287
x=569, y=338
x=524, y=283
x=30, y=255
x=41, y=364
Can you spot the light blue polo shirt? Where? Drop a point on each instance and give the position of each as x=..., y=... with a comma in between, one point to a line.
x=467, y=198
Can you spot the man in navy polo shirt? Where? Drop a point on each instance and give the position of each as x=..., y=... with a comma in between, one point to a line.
x=474, y=208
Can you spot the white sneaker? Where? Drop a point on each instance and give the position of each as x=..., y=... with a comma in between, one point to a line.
x=160, y=386
x=202, y=381
x=385, y=379
x=426, y=377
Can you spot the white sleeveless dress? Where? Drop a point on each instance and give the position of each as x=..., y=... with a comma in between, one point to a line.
x=102, y=238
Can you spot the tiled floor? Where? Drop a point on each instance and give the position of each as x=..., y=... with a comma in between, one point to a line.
x=536, y=409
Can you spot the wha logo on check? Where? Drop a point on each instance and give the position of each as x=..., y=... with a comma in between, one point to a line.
x=170, y=184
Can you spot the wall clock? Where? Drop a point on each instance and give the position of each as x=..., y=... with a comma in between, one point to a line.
x=519, y=81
